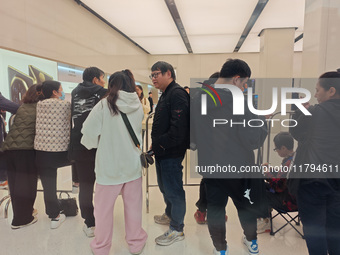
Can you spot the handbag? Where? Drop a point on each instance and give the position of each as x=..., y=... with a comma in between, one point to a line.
x=68, y=205
x=145, y=158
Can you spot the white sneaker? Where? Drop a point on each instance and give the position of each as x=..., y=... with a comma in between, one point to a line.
x=169, y=237
x=89, y=231
x=251, y=246
x=223, y=252
x=263, y=225
x=56, y=222
x=35, y=219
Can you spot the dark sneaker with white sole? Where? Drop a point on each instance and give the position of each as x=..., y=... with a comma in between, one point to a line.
x=35, y=219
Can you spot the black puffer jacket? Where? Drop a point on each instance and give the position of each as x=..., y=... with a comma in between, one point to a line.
x=84, y=97
x=170, y=129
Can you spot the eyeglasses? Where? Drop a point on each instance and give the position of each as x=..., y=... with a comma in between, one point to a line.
x=154, y=75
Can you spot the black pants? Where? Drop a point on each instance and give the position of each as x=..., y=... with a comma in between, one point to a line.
x=3, y=167
x=48, y=164
x=22, y=180
x=202, y=201
x=319, y=209
x=74, y=173
x=84, y=164
x=218, y=190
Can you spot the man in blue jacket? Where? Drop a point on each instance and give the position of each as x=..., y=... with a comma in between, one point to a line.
x=170, y=139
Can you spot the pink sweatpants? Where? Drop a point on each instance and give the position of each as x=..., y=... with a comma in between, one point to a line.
x=104, y=201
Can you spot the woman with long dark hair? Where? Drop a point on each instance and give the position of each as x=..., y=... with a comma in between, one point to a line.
x=118, y=168
x=318, y=195
x=51, y=143
x=20, y=157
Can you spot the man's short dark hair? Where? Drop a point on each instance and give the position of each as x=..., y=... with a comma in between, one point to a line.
x=330, y=79
x=91, y=72
x=235, y=67
x=284, y=139
x=164, y=67
x=150, y=92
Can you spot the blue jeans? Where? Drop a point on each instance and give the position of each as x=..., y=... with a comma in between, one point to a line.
x=319, y=209
x=169, y=178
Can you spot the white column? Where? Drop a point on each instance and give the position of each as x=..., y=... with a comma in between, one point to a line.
x=277, y=52
x=321, y=49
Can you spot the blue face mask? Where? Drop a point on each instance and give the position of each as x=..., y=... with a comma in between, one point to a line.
x=62, y=95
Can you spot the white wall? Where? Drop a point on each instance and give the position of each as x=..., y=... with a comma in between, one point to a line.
x=203, y=65
x=64, y=31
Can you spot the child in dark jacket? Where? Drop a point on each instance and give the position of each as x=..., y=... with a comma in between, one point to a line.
x=276, y=182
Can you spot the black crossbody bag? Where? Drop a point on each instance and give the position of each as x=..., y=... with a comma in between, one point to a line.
x=145, y=158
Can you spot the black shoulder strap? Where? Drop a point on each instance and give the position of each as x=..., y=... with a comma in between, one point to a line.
x=129, y=128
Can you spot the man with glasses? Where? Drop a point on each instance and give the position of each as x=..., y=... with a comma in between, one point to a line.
x=170, y=139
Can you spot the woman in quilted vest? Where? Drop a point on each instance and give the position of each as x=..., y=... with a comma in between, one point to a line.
x=51, y=143
x=20, y=157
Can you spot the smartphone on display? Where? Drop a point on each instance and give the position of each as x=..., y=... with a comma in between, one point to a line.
x=18, y=83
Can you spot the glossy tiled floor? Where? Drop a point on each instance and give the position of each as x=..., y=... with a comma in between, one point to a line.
x=39, y=239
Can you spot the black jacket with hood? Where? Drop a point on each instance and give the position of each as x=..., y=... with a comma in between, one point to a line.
x=321, y=131
x=84, y=97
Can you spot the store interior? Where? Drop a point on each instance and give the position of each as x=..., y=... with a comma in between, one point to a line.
x=290, y=44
